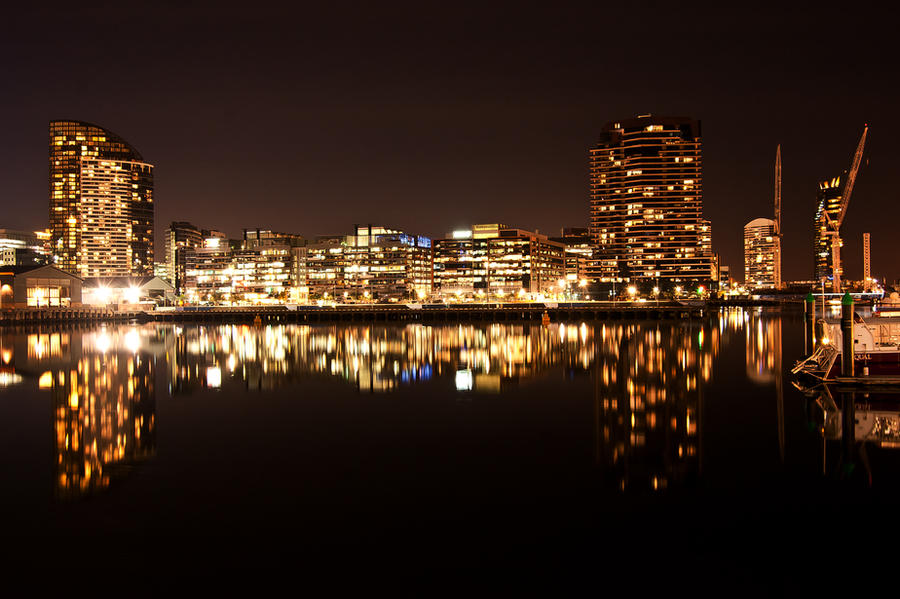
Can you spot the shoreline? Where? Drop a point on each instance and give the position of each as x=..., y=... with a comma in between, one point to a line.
x=499, y=312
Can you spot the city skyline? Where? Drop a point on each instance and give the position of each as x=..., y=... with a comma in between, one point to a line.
x=453, y=119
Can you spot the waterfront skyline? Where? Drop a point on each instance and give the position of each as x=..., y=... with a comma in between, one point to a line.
x=435, y=121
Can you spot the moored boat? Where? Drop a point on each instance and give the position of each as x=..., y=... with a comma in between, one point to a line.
x=876, y=352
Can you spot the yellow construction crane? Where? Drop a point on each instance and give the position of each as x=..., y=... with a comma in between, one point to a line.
x=833, y=226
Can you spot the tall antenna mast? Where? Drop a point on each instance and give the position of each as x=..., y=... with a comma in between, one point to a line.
x=778, y=217
x=778, y=191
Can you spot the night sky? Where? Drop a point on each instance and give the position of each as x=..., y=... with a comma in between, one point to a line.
x=433, y=116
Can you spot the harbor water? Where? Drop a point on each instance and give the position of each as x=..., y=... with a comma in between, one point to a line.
x=623, y=454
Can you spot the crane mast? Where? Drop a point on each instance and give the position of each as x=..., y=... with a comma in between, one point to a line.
x=835, y=225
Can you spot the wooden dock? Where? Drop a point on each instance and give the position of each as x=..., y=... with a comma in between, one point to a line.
x=877, y=380
x=362, y=313
x=80, y=314
x=427, y=314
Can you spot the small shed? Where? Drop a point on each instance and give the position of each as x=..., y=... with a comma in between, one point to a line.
x=38, y=287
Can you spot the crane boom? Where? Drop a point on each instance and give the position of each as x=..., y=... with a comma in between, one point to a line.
x=778, y=191
x=851, y=177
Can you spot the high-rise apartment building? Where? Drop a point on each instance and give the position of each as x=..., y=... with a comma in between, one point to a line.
x=647, y=200
x=762, y=255
x=101, y=202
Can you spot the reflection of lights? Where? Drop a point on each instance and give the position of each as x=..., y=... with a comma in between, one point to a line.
x=9, y=378
x=132, y=341
x=38, y=346
x=464, y=380
x=46, y=380
x=214, y=376
x=7, y=356
x=103, y=342
x=232, y=362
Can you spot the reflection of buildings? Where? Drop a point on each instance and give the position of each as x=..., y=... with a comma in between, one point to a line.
x=104, y=402
x=375, y=358
x=858, y=428
x=647, y=385
x=763, y=348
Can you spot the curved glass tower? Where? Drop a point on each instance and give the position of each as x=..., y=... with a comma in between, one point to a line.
x=101, y=202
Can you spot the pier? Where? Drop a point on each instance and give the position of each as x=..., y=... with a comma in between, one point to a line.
x=30, y=316
x=426, y=313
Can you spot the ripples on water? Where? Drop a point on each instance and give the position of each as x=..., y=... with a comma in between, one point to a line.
x=566, y=446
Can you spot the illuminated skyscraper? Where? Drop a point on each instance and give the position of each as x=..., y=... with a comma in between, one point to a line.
x=828, y=207
x=101, y=202
x=762, y=254
x=647, y=200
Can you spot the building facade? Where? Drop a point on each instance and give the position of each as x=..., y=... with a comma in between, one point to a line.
x=38, y=287
x=375, y=263
x=23, y=248
x=762, y=255
x=646, y=207
x=180, y=237
x=101, y=202
x=828, y=208
x=497, y=262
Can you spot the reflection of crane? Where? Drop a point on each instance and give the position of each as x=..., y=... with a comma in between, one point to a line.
x=833, y=226
x=778, y=217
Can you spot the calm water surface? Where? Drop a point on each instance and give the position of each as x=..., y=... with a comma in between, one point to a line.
x=639, y=455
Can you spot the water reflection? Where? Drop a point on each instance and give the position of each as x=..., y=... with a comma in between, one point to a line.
x=104, y=407
x=482, y=358
x=849, y=421
x=648, y=379
x=648, y=399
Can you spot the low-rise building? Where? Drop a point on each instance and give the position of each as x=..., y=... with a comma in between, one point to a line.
x=38, y=287
x=375, y=263
x=497, y=262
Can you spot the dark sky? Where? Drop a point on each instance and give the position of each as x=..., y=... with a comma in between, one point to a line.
x=431, y=116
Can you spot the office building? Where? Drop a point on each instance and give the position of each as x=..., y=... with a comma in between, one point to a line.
x=375, y=263
x=101, y=202
x=579, y=253
x=264, y=265
x=646, y=207
x=180, y=237
x=23, y=248
x=762, y=255
x=497, y=262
